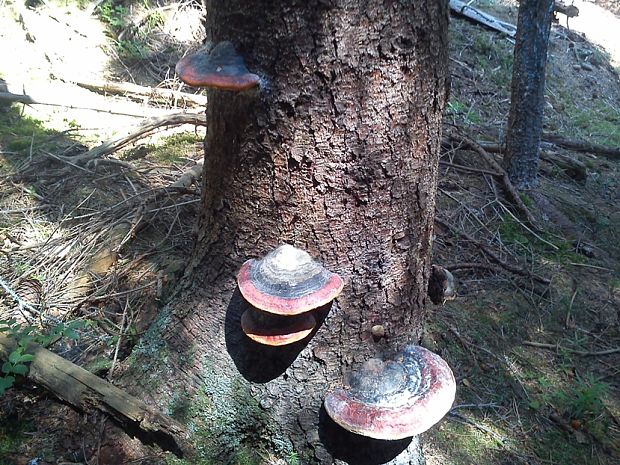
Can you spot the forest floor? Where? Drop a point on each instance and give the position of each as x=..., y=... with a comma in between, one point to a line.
x=92, y=249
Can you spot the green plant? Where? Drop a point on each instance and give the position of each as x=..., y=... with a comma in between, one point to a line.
x=24, y=335
x=467, y=113
x=132, y=49
x=113, y=15
x=583, y=401
x=292, y=458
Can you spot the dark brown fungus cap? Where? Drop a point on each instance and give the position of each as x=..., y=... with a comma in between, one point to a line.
x=276, y=330
x=287, y=281
x=441, y=285
x=394, y=399
x=222, y=68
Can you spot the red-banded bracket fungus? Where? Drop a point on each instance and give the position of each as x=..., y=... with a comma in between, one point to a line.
x=276, y=330
x=287, y=281
x=441, y=285
x=394, y=399
x=221, y=68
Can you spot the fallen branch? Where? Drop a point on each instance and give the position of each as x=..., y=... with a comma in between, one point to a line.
x=471, y=265
x=28, y=100
x=582, y=146
x=146, y=128
x=508, y=187
x=569, y=144
x=473, y=14
x=86, y=392
x=558, y=347
x=492, y=255
x=569, y=10
x=124, y=88
x=468, y=168
x=573, y=168
x=189, y=177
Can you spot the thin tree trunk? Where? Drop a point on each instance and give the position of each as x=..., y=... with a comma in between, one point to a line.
x=337, y=154
x=528, y=92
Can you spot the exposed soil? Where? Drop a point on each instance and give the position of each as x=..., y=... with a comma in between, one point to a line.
x=516, y=403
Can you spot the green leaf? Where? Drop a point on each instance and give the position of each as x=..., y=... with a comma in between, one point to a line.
x=25, y=358
x=20, y=369
x=72, y=334
x=24, y=341
x=5, y=383
x=7, y=367
x=14, y=356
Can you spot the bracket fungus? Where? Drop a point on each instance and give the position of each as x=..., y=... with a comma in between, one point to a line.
x=275, y=330
x=394, y=399
x=287, y=281
x=441, y=285
x=221, y=68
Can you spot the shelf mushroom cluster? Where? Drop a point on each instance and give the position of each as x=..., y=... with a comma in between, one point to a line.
x=283, y=288
x=388, y=400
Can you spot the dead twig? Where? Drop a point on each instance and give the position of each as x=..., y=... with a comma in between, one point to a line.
x=28, y=100
x=508, y=187
x=147, y=127
x=124, y=88
x=492, y=255
x=468, y=168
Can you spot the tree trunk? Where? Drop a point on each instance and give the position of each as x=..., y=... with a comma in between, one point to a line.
x=528, y=92
x=336, y=154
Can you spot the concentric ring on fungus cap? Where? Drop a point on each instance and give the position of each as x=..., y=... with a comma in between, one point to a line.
x=287, y=281
x=394, y=399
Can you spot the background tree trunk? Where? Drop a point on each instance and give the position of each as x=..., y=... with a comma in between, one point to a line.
x=528, y=92
x=336, y=154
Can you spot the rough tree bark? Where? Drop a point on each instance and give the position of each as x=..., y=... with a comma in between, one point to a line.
x=528, y=92
x=337, y=154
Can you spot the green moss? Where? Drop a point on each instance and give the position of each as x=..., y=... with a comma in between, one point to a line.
x=494, y=57
x=18, y=133
x=569, y=452
x=175, y=148
x=597, y=120
x=227, y=424
x=151, y=354
x=11, y=438
x=465, y=444
x=99, y=365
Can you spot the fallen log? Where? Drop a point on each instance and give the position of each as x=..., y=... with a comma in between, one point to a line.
x=573, y=168
x=473, y=14
x=124, y=88
x=87, y=393
x=569, y=10
x=582, y=146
